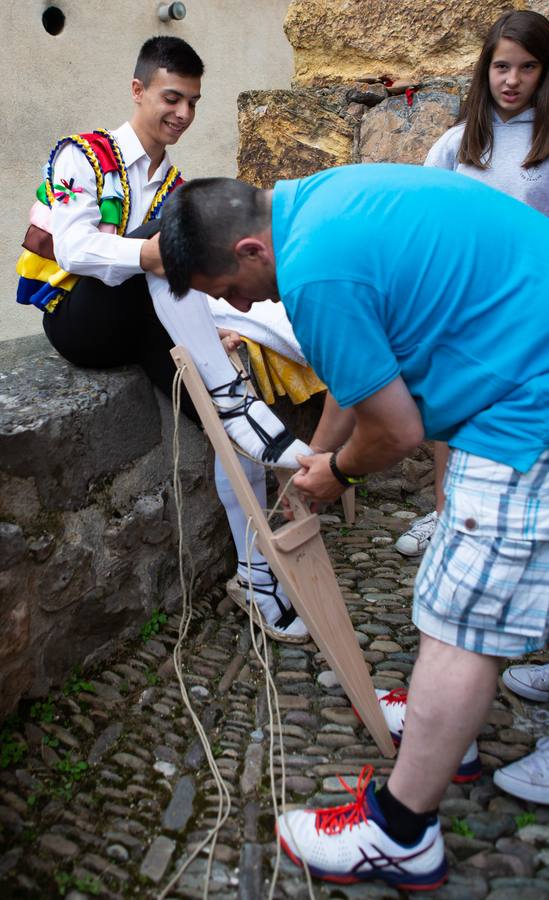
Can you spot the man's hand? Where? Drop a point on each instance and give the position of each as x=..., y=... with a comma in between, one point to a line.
x=231, y=340
x=149, y=258
x=315, y=478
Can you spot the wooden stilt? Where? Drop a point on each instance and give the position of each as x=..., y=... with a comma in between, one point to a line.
x=348, y=501
x=298, y=557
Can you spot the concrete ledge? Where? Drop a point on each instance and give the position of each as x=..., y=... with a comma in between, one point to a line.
x=87, y=523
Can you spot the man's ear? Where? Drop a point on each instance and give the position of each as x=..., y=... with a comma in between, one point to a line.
x=250, y=247
x=138, y=89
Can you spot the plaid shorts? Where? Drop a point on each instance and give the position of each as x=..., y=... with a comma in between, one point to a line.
x=483, y=584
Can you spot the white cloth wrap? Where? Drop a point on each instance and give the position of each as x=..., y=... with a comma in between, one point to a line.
x=266, y=324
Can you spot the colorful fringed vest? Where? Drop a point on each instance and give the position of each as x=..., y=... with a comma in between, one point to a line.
x=42, y=282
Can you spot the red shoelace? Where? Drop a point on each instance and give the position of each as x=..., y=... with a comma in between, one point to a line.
x=397, y=695
x=335, y=818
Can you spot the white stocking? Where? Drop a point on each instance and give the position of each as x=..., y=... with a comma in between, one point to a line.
x=261, y=572
x=189, y=323
x=235, y=514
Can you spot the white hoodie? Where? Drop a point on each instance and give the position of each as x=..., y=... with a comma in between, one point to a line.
x=512, y=140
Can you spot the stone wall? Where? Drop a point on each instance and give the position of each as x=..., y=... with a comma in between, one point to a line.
x=343, y=40
x=291, y=134
x=88, y=526
x=88, y=543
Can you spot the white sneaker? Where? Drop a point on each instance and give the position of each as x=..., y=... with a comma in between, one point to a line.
x=527, y=778
x=284, y=625
x=531, y=682
x=349, y=843
x=393, y=706
x=415, y=540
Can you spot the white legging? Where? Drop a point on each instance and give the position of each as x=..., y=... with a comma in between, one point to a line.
x=190, y=324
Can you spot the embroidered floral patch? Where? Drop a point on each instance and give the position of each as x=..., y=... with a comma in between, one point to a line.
x=66, y=191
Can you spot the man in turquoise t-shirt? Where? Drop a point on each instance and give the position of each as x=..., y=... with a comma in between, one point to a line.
x=421, y=298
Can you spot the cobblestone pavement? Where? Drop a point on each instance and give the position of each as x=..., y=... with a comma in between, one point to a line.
x=113, y=788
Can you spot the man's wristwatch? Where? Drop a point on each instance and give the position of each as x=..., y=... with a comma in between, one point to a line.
x=346, y=480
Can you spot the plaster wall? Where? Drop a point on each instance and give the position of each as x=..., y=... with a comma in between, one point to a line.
x=79, y=80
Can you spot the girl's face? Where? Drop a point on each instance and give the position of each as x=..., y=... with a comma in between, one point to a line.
x=513, y=77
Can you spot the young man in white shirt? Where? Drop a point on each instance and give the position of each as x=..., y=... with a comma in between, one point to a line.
x=121, y=311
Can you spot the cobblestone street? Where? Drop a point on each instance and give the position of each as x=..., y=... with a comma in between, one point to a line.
x=105, y=785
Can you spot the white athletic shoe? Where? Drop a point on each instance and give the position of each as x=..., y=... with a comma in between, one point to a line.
x=531, y=682
x=350, y=843
x=414, y=541
x=527, y=778
x=393, y=706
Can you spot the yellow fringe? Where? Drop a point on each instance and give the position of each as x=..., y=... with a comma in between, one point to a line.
x=87, y=149
x=160, y=195
x=278, y=375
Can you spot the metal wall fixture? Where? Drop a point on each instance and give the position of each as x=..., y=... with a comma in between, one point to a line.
x=167, y=11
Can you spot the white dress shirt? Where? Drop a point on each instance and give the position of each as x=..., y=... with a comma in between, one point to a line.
x=79, y=247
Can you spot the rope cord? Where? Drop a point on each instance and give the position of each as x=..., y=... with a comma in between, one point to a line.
x=186, y=615
x=272, y=694
x=272, y=700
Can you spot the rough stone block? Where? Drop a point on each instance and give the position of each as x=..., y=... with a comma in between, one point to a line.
x=180, y=807
x=88, y=545
x=397, y=132
x=157, y=859
x=67, y=428
x=338, y=40
x=12, y=545
x=290, y=134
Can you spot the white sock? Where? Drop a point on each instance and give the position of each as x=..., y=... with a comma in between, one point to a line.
x=261, y=571
x=189, y=323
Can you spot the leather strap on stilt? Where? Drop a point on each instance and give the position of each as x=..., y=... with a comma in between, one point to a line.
x=274, y=446
x=288, y=615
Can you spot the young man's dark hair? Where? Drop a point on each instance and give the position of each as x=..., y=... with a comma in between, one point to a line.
x=170, y=53
x=202, y=222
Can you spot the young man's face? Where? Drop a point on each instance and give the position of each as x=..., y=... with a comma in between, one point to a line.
x=166, y=108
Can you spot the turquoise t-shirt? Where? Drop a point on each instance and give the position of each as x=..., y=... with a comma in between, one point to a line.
x=392, y=269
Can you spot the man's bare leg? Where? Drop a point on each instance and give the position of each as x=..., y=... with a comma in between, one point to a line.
x=450, y=694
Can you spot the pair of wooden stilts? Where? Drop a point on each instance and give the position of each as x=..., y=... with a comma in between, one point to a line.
x=298, y=557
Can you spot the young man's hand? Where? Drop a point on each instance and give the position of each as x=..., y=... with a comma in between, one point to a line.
x=231, y=340
x=150, y=259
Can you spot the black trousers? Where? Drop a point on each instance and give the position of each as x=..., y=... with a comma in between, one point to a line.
x=100, y=327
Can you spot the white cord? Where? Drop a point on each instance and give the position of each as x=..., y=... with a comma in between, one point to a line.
x=186, y=615
x=272, y=699
x=272, y=694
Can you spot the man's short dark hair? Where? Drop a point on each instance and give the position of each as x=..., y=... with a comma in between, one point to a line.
x=171, y=53
x=201, y=224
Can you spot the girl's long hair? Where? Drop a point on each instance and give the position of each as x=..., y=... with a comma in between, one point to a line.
x=531, y=30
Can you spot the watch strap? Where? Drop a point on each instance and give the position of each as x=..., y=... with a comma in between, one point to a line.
x=345, y=480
